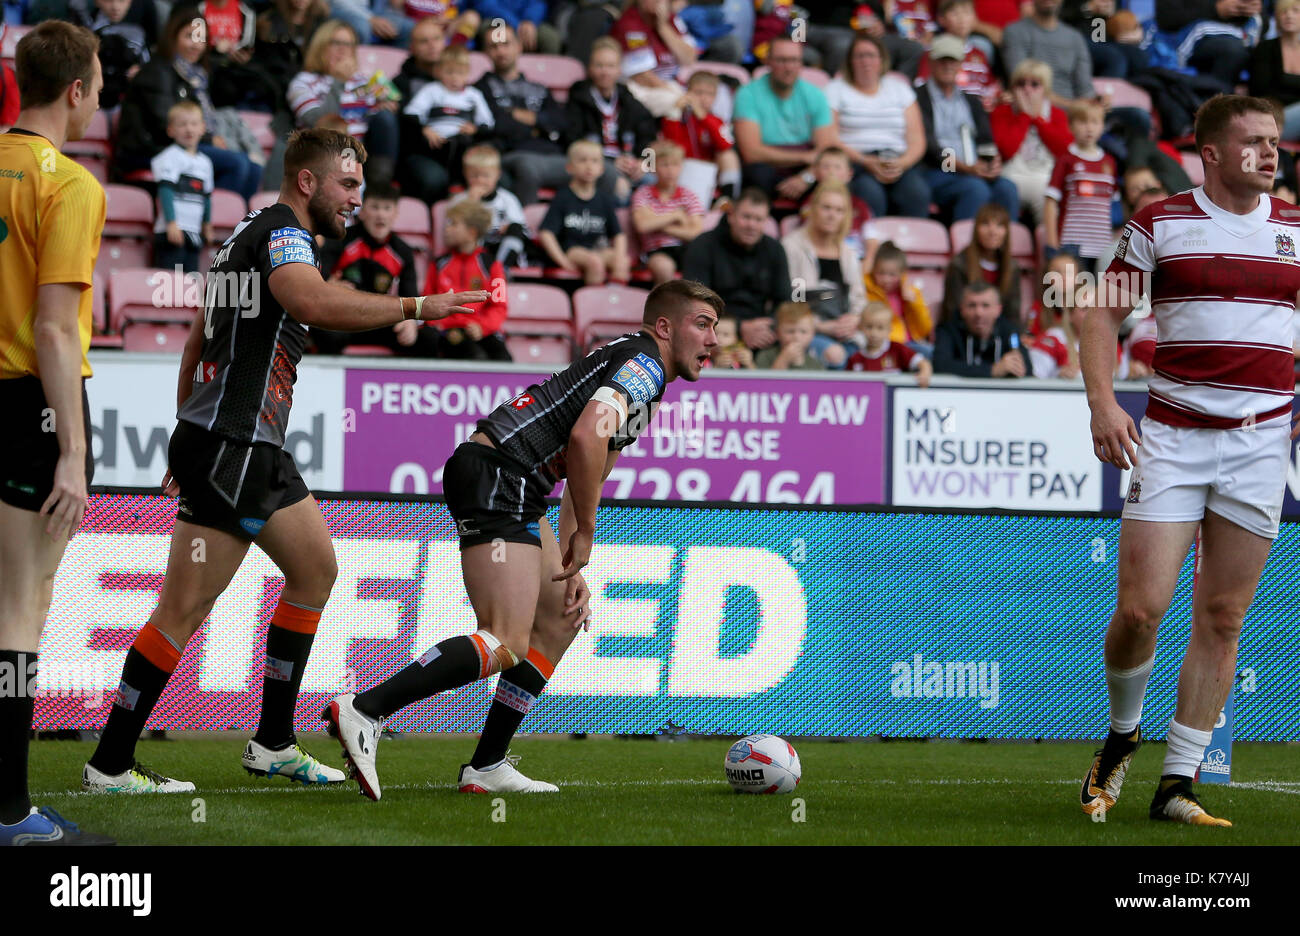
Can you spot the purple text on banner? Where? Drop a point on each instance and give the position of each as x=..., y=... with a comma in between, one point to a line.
x=749, y=440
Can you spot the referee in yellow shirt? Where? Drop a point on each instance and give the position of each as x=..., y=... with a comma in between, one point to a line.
x=51, y=218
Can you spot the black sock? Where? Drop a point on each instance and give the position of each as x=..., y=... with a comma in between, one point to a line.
x=516, y=692
x=286, y=658
x=142, y=685
x=17, y=680
x=449, y=665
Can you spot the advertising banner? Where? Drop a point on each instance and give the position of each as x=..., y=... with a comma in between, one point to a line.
x=1014, y=449
x=747, y=440
x=795, y=621
x=133, y=413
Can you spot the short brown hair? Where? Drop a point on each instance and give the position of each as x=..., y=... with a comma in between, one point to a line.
x=889, y=252
x=704, y=77
x=787, y=313
x=1083, y=109
x=456, y=55
x=51, y=57
x=315, y=149
x=674, y=299
x=181, y=106
x=1214, y=116
x=472, y=213
x=482, y=156
x=604, y=44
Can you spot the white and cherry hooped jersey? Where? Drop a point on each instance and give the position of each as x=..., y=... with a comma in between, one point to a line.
x=1223, y=291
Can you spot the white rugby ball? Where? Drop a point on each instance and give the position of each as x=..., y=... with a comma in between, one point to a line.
x=763, y=763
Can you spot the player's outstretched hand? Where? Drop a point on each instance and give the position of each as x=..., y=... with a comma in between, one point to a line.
x=577, y=602
x=1114, y=436
x=440, y=306
x=576, y=555
x=67, y=501
x=170, y=486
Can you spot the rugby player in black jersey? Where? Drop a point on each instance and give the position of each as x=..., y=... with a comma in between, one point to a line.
x=226, y=459
x=527, y=590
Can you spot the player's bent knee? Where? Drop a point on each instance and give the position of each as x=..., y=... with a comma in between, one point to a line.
x=497, y=655
x=1136, y=618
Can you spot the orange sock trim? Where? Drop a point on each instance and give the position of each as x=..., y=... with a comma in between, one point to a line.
x=296, y=619
x=544, y=666
x=157, y=649
x=485, y=658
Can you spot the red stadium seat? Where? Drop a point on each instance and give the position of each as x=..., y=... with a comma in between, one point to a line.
x=98, y=310
x=115, y=254
x=228, y=209
x=260, y=124
x=960, y=233
x=1123, y=94
x=263, y=200
x=130, y=212
x=412, y=223
x=557, y=72
x=1193, y=166
x=606, y=311
x=97, y=140
x=533, y=216
x=479, y=65
x=155, y=336
x=931, y=284
x=718, y=68
x=549, y=351
x=439, y=214
x=537, y=309
x=386, y=59
x=9, y=36
x=95, y=165
x=152, y=295
x=924, y=241
x=809, y=74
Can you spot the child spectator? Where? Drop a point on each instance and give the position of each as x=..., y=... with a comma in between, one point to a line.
x=913, y=19
x=832, y=165
x=1077, y=209
x=371, y=258
x=507, y=235
x=795, y=327
x=602, y=109
x=702, y=135
x=987, y=257
x=666, y=216
x=184, y=177
x=469, y=335
x=123, y=45
x=232, y=29
x=887, y=282
x=449, y=114
x=1054, y=344
x=730, y=352
x=580, y=232
x=957, y=18
x=879, y=354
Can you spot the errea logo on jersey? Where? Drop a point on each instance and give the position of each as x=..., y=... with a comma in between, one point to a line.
x=1195, y=237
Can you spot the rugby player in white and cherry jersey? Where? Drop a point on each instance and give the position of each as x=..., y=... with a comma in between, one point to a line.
x=526, y=589
x=226, y=460
x=1215, y=441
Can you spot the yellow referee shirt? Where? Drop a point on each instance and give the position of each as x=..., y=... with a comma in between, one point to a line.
x=51, y=218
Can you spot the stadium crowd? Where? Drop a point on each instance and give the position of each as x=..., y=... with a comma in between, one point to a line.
x=878, y=186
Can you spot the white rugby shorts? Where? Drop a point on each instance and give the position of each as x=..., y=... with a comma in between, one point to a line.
x=1239, y=474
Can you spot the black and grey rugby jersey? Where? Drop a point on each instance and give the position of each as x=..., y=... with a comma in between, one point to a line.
x=534, y=427
x=243, y=387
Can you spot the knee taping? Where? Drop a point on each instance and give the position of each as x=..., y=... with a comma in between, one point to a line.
x=494, y=656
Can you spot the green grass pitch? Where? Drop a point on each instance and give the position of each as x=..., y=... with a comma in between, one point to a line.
x=642, y=792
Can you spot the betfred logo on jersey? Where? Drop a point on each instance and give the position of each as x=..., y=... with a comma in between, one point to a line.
x=521, y=401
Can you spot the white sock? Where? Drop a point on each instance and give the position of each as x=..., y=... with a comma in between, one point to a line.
x=1186, y=749
x=1127, y=688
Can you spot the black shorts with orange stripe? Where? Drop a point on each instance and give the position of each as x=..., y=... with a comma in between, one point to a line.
x=30, y=451
x=492, y=497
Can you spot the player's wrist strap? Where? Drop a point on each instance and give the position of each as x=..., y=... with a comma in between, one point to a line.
x=411, y=307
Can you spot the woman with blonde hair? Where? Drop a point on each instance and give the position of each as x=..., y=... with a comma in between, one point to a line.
x=1031, y=134
x=829, y=270
x=332, y=84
